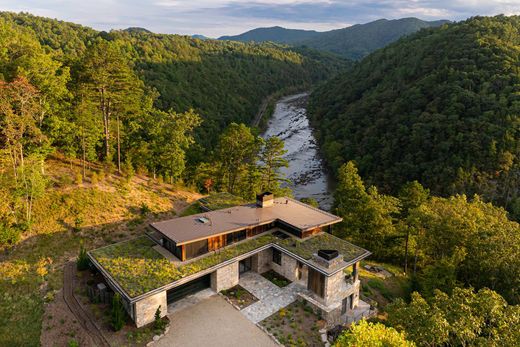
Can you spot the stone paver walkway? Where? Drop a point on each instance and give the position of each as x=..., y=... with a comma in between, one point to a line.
x=271, y=298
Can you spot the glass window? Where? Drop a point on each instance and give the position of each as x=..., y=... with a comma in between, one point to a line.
x=277, y=256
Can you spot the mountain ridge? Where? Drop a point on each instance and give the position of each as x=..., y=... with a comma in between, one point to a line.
x=354, y=42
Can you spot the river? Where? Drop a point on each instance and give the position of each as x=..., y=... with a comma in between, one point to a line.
x=306, y=172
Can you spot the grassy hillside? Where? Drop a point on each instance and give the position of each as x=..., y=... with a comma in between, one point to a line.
x=100, y=210
x=440, y=107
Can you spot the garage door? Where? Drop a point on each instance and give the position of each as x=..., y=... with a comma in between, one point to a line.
x=186, y=289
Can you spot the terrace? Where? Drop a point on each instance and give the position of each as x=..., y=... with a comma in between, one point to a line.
x=138, y=268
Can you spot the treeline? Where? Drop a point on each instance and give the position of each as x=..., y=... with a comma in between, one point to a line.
x=462, y=255
x=136, y=101
x=440, y=107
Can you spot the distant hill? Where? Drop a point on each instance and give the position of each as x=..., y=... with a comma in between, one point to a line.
x=359, y=40
x=137, y=30
x=274, y=34
x=353, y=42
x=438, y=106
x=200, y=37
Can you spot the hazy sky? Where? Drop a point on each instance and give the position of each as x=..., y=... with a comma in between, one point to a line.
x=228, y=17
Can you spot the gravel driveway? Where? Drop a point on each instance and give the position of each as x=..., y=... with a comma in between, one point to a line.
x=213, y=323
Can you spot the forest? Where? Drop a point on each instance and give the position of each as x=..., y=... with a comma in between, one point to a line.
x=440, y=107
x=136, y=101
x=104, y=132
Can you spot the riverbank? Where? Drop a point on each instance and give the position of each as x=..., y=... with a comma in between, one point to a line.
x=306, y=174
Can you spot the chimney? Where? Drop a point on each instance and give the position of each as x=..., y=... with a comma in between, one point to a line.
x=265, y=199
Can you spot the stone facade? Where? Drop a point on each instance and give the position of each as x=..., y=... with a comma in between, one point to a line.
x=288, y=268
x=145, y=309
x=225, y=277
x=261, y=262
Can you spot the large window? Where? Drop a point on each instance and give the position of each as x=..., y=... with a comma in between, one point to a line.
x=316, y=282
x=235, y=237
x=277, y=256
x=197, y=248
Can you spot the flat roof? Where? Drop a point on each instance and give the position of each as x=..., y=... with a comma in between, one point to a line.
x=193, y=228
x=136, y=268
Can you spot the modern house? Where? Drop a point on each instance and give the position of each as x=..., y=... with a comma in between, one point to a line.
x=213, y=249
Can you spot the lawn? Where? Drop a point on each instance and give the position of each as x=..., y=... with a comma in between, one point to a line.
x=383, y=290
x=295, y=325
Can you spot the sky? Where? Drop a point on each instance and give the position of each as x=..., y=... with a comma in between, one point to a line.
x=214, y=18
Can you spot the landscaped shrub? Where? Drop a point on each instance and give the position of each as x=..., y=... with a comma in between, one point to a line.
x=83, y=261
x=118, y=313
x=159, y=324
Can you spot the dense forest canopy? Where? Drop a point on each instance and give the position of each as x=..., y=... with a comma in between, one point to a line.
x=223, y=81
x=441, y=107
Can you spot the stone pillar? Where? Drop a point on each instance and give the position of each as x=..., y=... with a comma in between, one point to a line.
x=225, y=277
x=261, y=262
x=145, y=309
x=334, y=288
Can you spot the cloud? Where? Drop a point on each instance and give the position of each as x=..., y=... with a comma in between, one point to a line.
x=223, y=17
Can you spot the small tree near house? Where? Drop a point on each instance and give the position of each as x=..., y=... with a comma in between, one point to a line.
x=159, y=323
x=82, y=262
x=118, y=313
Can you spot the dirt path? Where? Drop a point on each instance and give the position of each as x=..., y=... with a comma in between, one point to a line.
x=82, y=316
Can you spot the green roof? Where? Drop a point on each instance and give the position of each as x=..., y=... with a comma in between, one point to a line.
x=138, y=268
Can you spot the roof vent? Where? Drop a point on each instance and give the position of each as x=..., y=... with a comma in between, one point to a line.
x=265, y=199
x=203, y=220
x=328, y=254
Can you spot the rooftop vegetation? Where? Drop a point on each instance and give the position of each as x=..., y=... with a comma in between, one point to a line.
x=138, y=268
x=307, y=247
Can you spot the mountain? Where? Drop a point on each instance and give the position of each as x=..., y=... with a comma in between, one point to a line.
x=440, y=106
x=274, y=34
x=353, y=42
x=357, y=41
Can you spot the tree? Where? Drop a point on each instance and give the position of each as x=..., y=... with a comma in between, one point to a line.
x=411, y=195
x=368, y=216
x=108, y=80
x=237, y=148
x=273, y=161
x=82, y=263
x=464, y=318
x=118, y=313
x=365, y=334
x=473, y=239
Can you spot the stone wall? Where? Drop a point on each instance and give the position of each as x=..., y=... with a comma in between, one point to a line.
x=261, y=262
x=288, y=269
x=335, y=288
x=225, y=277
x=145, y=309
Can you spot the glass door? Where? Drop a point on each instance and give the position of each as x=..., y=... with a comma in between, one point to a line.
x=244, y=265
